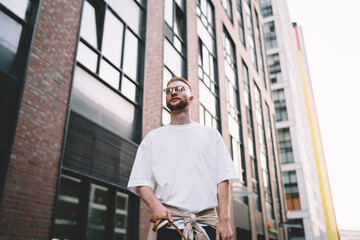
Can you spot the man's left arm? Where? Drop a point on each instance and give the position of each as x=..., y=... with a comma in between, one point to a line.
x=223, y=229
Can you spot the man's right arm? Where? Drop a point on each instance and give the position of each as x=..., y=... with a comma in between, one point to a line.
x=157, y=208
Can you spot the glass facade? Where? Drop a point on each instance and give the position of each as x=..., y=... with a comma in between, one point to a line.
x=240, y=19
x=174, y=46
x=207, y=69
x=251, y=33
x=233, y=106
x=264, y=160
x=228, y=8
x=89, y=210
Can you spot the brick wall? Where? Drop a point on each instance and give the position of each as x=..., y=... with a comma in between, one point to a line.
x=27, y=204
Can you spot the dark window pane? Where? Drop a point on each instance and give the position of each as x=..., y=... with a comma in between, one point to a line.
x=121, y=215
x=19, y=7
x=10, y=33
x=88, y=25
x=97, y=213
x=112, y=38
x=67, y=210
x=130, y=64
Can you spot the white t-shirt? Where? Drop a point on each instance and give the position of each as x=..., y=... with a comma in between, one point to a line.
x=187, y=162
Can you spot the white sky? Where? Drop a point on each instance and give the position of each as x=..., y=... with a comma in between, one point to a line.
x=332, y=39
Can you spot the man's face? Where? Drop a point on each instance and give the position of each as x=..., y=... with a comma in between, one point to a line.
x=178, y=101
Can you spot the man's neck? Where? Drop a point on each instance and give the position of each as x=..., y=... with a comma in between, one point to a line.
x=180, y=117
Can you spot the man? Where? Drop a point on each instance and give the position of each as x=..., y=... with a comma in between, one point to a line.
x=189, y=168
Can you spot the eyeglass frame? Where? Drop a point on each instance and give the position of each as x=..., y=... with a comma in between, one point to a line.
x=177, y=91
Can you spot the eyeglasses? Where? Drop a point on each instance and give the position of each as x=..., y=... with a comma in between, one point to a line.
x=178, y=89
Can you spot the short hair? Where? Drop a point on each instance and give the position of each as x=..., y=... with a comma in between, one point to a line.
x=175, y=79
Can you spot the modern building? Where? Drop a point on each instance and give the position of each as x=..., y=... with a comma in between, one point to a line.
x=81, y=85
x=349, y=235
x=310, y=212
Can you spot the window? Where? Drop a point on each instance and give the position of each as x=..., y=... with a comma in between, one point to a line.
x=284, y=135
x=274, y=68
x=270, y=35
x=228, y=7
x=291, y=191
x=91, y=210
x=233, y=105
x=240, y=18
x=286, y=155
x=258, y=35
x=278, y=97
x=174, y=46
x=250, y=37
x=266, y=8
x=264, y=160
x=296, y=233
x=109, y=62
x=207, y=69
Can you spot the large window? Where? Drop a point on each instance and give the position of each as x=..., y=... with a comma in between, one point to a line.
x=278, y=97
x=297, y=233
x=251, y=137
x=291, y=191
x=264, y=160
x=274, y=68
x=251, y=34
x=266, y=8
x=207, y=70
x=286, y=152
x=17, y=24
x=228, y=7
x=240, y=19
x=270, y=35
x=233, y=105
x=86, y=209
x=174, y=46
x=109, y=65
x=259, y=38
x=275, y=167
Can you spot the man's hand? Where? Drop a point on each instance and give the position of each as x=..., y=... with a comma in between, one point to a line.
x=223, y=230
x=158, y=209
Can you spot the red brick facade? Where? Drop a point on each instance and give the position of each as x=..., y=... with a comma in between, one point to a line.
x=28, y=199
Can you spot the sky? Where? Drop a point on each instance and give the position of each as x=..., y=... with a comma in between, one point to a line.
x=332, y=40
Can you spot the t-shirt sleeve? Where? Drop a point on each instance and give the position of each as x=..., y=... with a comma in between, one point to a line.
x=141, y=173
x=226, y=167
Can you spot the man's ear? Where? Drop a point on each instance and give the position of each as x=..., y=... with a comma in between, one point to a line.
x=191, y=99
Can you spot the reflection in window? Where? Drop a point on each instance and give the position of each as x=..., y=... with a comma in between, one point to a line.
x=233, y=105
x=286, y=155
x=228, y=7
x=121, y=215
x=109, y=61
x=270, y=35
x=10, y=33
x=251, y=36
x=260, y=41
x=263, y=153
x=280, y=105
x=19, y=7
x=266, y=8
x=274, y=68
x=291, y=191
x=174, y=46
x=296, y=233
x=240, y=19
x=97, y=212
x=208, y=84
x=67, y=212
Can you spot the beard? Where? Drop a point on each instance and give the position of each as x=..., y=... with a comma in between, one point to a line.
x=180, y=105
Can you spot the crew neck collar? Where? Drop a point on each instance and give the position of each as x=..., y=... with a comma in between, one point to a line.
x=181, y=125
